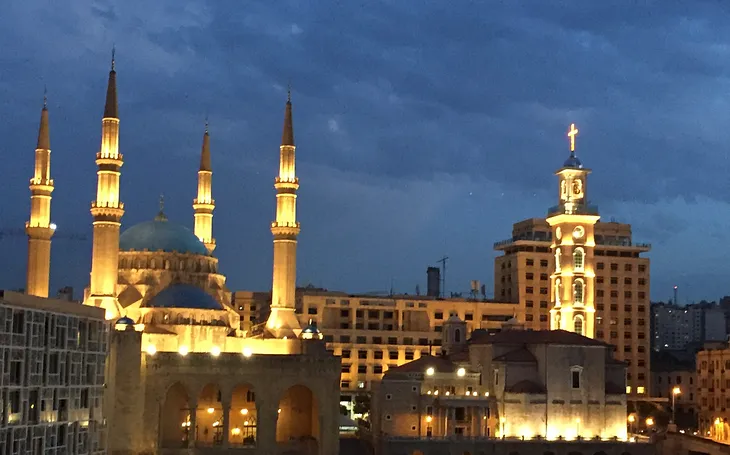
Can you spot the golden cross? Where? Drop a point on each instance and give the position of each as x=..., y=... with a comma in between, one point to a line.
x=572, y=134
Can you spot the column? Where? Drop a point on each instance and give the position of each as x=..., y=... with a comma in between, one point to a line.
x=226, y=423
x=266, y=417
x=193, y=432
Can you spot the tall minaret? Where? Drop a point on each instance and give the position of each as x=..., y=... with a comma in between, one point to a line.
x=282, y=321
x=204, y=204
x=107, y=210
x=572, y=221
x=39, y=227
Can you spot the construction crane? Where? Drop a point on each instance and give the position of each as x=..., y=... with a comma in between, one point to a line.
x=18, y=232
x=443, y=275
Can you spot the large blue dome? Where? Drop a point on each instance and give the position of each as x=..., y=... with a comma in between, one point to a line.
x=184, y=296
x=161, y=235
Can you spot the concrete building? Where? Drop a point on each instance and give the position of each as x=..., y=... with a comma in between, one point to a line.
x=676, y=327
x=713, y=393
x=514, y=385
x=51, y=385
x=675, y=370
x=595, y=267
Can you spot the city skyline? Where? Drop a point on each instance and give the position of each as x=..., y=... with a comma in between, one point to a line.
x=399, y=163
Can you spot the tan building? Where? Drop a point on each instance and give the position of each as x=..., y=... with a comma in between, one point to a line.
x=600, y=272
x=53, y=354
x=513, y=385
x=713, y=391
x=183, y=372
x=674, y=378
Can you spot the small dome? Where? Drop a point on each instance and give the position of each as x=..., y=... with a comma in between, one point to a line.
x=125, y=321
x=311, y=332
x=161, y=235
x=573, y=161
x=184, y=296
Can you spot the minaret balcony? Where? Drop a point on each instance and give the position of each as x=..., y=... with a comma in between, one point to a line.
x=292, y=183
x=204, y=207
x=573, y=209
x=39, y=232
x=109, y=158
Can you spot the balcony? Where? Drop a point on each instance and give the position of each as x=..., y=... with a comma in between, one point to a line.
x=574, y=210
x=538, y=236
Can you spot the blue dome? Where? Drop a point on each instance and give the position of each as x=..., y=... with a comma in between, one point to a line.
x=573, y=161
x=161, y=235
x=184, y=296
x=125, y=321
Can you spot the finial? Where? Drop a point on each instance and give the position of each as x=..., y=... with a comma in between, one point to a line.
x=206, y=123
x=45, y=96
x=288, y=92
x=114, y=51
x=161, y=215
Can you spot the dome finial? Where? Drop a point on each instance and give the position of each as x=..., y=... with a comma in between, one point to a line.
x=45, y=96
x=114, y=51
x=161, y=215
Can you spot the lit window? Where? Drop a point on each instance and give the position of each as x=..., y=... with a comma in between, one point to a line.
x=640, y=390
x=578, y=324
x=628, y=389
x=578, y=292
x=578, y=259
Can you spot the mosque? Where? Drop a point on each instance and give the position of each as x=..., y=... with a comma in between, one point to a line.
x=182, y=377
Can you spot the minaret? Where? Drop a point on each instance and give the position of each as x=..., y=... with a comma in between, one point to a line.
x=107, y=210
x=282, y=321
x=204, y=204
x=39, y=228
x=572, y=221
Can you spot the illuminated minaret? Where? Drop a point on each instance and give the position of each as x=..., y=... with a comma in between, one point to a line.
x=282, y=321
x=204, y=204
x=107, y=210
x=39, y=228
x=572, y=222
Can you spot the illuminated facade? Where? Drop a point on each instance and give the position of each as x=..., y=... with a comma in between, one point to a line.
x=713, y=396
x=204, y=204
x=615, y=277
x=51, y=385
x=39, y=227
x=554, y=385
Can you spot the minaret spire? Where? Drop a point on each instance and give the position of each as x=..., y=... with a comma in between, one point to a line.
x=282, y=320
x=39, y=227
x=107, y=210
x=204, y=204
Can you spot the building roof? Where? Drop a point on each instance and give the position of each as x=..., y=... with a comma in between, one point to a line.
x=161, y=235
x=184, y=296
x=439, y=364
x=524, y=337
x=525, y=386
x=518, y=355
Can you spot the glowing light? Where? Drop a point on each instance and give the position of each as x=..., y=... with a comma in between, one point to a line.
x=640, y=390
x=244, y=411
x=216, y=424
x=215, y=351
x=649, y=421
x=572, y=134
x=52, y=226
x=236, y=431
x=278, y=411
x=428, y=393
x=486, y=394
x=461, y=372
x=474, y=394
x=717, y=421
x=436, y=392
x=430, y=371
x=245, y=424
x=429, y=419
x=632, y=418
x=676, y=391
x=502, y=419
x=247, y=352
x=151, y=349
x=183, y=350
x=448, y=393
x=577, y=420
x=210, y=410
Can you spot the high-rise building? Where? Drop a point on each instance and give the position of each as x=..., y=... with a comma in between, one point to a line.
x=53, y=354
x=599, y=265
x=677, y=327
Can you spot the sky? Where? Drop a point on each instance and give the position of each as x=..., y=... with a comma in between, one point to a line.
x=424, y=129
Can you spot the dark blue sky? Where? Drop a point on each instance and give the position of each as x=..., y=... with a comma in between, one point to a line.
x=421, y=131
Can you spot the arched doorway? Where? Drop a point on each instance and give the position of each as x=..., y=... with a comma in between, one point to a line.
x=209, y=417
x=243, y=416
x=175, y=417
x=298, y=419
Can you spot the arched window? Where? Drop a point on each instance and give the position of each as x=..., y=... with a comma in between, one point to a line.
x=557, y=321
x=578, y=324
x=579, y=256
x=557, y=291
x=557, y=259
x=578, y=288
x=457, y=336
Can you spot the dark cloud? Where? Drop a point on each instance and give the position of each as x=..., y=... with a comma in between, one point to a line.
x=422, y=131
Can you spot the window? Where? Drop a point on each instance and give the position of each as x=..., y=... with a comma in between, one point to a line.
x=578, y=324
x=438, y=315
x=543, y=318
x=614, y=267
x=469, y=317
x=377, y=340
x=642, y=268
x=393, y=355
x=575, y=373
x=528, y=317
x=362, y=369
x=529, y=276
x=614, y=280
x=362, y=340
x=345, y=368
x=627, y=280
x=529, y=290
x=600, y=266
x=362, y=354
x=578, y=259
x=543, y=291
x=378, y=355
x=392, y=340
x=457, y=336
x=543, y=303
x=578, y=292
x=409, y=355
x=345, y=353
x=378, y=369
x=529, y=262
x=528, y=304
x=543, y=263
x=344, y=313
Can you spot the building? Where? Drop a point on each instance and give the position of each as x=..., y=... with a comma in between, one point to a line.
x=598, y=271
x=673, y=377
x=515, y=385
x=183, y=372
x=677, y=327
x=52, y=382
x=713, y=394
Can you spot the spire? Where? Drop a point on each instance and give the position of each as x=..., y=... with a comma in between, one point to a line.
x=44, y=136
x=111, y=109
x=205, y=152
x=161, y=214
x=287, y=138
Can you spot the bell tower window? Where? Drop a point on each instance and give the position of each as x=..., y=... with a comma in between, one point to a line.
x=578, y=324
x=578, y=288
x=557, y=259
x=579, y=256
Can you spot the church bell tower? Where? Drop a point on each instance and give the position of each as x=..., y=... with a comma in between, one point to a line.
x=572, y=222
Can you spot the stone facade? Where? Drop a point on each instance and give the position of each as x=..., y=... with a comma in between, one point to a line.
x=52, y=354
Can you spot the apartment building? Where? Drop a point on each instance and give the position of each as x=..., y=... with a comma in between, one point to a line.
x=679, y=327
x=53, y=354
x=522, y=275
x=675, y=371
x=713, y=397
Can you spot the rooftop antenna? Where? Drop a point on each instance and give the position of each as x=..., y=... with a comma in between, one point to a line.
x=443, y=275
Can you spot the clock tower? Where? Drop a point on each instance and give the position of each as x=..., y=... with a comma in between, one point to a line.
x=572, y=222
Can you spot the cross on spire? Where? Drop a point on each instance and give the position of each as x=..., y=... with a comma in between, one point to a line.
x=572, y=134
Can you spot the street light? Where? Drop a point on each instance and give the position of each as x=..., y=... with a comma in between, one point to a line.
x=649, y=421
x=631, y=419
x=675, y=391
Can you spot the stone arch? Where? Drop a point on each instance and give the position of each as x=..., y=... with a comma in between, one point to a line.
x=298, y=416
x=175, y=430
x=209, y=416
x=243, y=416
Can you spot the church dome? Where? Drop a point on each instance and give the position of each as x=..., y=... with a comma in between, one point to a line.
x=184, y=296
x=161, y=235
x=573, y=161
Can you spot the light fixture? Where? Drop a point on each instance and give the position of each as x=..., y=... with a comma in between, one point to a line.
x=183, y=350
x=151, y=349
x=215, y=351
x=461, y=372
x=244, y=411
x=53, y=226
x=429, y=419
x=649, y=421
x=278, y=411
x=210, y=410
x=245, y=424
x=430, y=371
x=486, y=394
x=247, y=352
x=236, y=431
x=632, y=419
x=676, y=391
